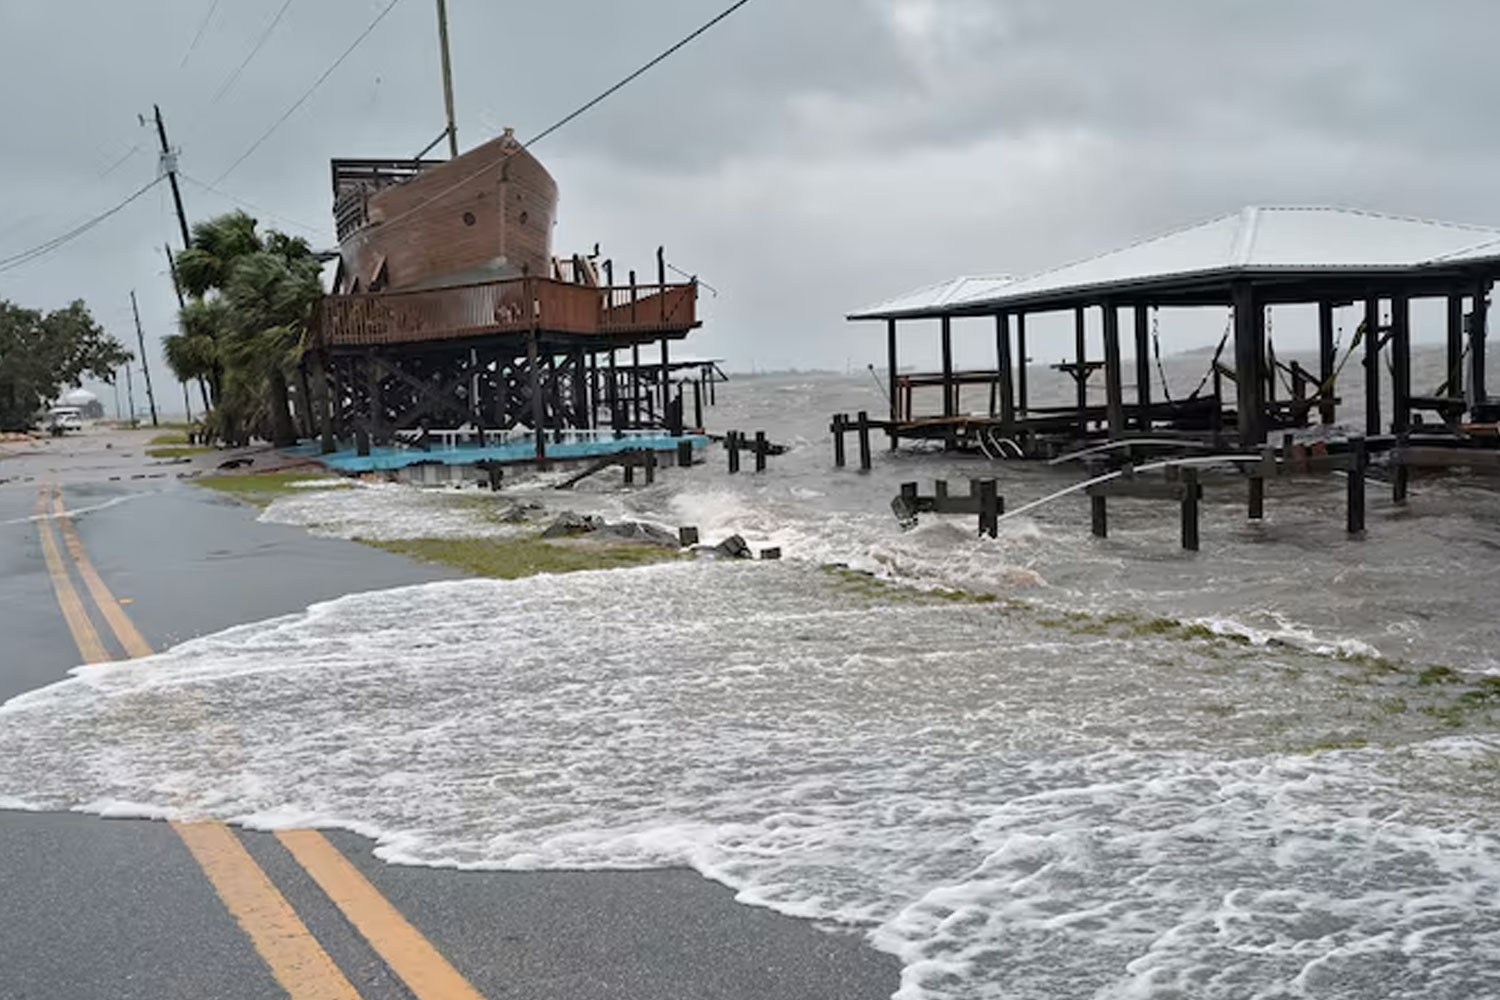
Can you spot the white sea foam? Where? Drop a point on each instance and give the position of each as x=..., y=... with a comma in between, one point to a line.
x=391, y=511
x=1015, y=809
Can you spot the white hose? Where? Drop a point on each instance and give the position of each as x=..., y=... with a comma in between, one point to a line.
x=1109, y=446
x=1204, y=460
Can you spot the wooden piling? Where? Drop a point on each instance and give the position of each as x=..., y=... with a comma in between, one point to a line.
x=839, y=420
x=1327, y=359
x=649, y=458
x=989, y=508
x=687, y=536
x=1359, y=461
x=732, y=442
x=864, y=441
x=1098, y=516
x=684, y=454
x=629, y=467
x=697, y=404
x=760, y=451
x=1400, y=473
x=1192, y=493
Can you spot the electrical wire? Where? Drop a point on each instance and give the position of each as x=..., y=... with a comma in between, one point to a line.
x=309, y=92
x=260, y=42
x=250, y=205
x=389, y=223
x=42, y=249
x=198, y=36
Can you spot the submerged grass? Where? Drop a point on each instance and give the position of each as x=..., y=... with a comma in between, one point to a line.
x=260, y=488
x=177, y=451
x=513, y=558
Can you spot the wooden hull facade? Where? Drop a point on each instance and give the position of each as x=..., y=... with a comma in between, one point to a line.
x=484, y=216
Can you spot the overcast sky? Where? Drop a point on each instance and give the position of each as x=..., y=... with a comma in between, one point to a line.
x=806, y=157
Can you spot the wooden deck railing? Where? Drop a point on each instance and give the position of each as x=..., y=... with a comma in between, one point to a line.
x=501, y=307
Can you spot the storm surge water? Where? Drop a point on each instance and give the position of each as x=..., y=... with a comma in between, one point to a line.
x=1038, y=767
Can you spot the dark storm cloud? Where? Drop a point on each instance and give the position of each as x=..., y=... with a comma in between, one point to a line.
x=807, y=156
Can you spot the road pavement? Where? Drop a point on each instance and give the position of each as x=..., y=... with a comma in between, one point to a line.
x=123, y=909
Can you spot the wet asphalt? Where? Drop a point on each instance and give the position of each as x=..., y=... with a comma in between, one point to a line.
x=93, y=908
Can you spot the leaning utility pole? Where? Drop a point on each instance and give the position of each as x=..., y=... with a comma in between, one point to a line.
x=187, y=403
x=169, y=167
x=140, y=336
x=442, y=6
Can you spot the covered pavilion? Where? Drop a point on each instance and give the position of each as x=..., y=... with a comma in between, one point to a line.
x=1246, y=261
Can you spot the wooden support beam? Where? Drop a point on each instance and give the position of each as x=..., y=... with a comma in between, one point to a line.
x=1192, y=494
x=1372, y=366
x=1080, y=346
x=1003, y=368
x=1250, y=365
x=1478, y=332
x=732, y=444
x=1113, y=375
x=666, y=376
x=890, y=363
x=538, y=413
x=1098, y=515
x=839, y=422
x=760, y=451
x=1326, y=360
x=989, y=506
x=950, y=402
x=1143, y=367
x=1400, y=363
x=1454, y=386
x=1358, y=463
x=1021, y=360
x=864, y=441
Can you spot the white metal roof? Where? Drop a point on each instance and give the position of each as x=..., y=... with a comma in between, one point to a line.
x=1251, y=240
x=936, y=296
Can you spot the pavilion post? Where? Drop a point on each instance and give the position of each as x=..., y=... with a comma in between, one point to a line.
x=1249, y=359
x=612, y=395
x=1400, y=363
x=1372, y=365
x=1455, y=367
x=1478, y=330
x=538, y=413
x=666, y=376
x=1113, y=382
x=1002, y=371
x=950, y=407
x=890, y=364
x=1081, y=375
x=1143, y=368
x=635, y=385
x=1326, y=361
x=1020, y=362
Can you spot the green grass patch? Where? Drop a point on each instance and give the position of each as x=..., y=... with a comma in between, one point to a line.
x=177, y=451
x=170, y=437
x=513, y=558
x=261, y=488
x=1438, y=674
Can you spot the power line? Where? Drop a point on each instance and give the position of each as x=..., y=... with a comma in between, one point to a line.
x=387, y=224
x=310, y=90
x=633, y=76
x=42, y=249
x=198, y=37
x=250, y=205
x=260, y=42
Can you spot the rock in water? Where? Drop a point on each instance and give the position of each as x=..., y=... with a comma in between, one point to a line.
x=569, y=524
x=640, y=534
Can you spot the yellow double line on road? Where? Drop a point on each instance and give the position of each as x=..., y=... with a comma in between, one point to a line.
x=294, y=956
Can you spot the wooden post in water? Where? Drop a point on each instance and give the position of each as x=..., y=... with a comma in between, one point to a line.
x=838, y=440
x=697, y=405
x=1143, y=367
x=760, y=451
x=1400, y=363
x=1326, y=360
x=890, y=360
x=1478, y=334
x=1400, y=473
x=1113, y=389
x=1098, y=516
x=732, y=442
x=684, y=454
x=1020, y=363
x=1192, y=493
x=989, y=508
x=1372, y=367
x=629, y=467
x=1455, y=359
x=1358, y=462
x=649, y=458
x=1082, y=389
x=864, y=441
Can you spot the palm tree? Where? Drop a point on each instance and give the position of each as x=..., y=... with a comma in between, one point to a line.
x=244, y=329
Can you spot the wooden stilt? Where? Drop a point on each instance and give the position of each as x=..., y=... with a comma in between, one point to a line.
x=1400, y=363
x=1478, y=333
x=1003, y=366
x=1143, y=368
x=684, y=454
x=989, y=508
x=1372, y=366
x=890, y=362
x=760, y=451
x=1113, y=382
x=1192, y=494
x=1455, y=366
x=538, y=414
x=1080, y=346
x=1250, y=365
x=1098, y=516
x=950, y=403
x=864, y=441
x=839, y=422
x=1358, y=463
x=1326, y=360
x=732, y=443
x=1022, y=402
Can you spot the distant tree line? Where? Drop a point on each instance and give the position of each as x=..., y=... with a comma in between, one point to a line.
x=243, y=330
x=43, y=353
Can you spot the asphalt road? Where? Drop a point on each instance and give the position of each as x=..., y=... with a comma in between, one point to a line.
x=93, y=908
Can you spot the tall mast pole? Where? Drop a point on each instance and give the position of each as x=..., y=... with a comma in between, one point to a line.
x=442, y=6
x=140, y=336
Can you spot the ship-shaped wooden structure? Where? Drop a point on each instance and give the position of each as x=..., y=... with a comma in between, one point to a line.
x=450, y=309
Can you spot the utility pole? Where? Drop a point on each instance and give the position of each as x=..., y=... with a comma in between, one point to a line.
x=187, y=403
x=442, y=6
x=169, y=167
x=140, y=336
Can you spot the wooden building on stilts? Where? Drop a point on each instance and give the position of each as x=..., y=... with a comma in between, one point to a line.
x=450, y=311
x=1248, y=263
